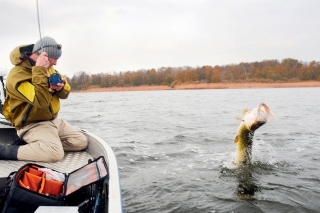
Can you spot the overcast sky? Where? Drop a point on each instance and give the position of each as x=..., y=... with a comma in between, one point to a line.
x=128, y=35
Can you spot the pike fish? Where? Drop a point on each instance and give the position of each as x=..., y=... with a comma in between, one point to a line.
x=250, y=122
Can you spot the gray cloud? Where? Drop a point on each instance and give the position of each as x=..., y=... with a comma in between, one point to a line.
x=107, y=36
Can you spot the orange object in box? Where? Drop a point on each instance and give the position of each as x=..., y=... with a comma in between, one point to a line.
x=31, y=181
x=52, y=187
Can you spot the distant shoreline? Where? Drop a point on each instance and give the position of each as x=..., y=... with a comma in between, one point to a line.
x=244, y=85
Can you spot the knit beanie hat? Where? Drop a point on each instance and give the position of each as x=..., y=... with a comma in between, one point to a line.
x=48, y=45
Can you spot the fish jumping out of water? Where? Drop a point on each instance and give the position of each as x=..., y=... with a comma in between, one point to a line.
x=250, y=122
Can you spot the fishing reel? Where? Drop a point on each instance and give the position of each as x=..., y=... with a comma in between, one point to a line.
x=55, y=79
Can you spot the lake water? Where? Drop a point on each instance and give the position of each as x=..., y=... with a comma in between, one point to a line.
x=175, y=148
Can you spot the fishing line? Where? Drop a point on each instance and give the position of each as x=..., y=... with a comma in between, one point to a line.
x=25, y=57
x=39, y=25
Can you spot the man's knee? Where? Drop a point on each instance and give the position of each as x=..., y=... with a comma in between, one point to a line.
x=84, y=141
x=52, y=155
x=78, y=143
x=57, y=156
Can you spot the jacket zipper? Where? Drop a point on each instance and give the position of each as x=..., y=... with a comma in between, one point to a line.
x=26, y=115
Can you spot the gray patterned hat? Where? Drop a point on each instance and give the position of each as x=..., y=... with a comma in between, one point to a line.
x=48, y=45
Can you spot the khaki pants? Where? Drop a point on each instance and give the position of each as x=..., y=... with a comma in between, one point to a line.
x=47, y=140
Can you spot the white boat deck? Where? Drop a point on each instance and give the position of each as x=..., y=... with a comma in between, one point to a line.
x=70, y=162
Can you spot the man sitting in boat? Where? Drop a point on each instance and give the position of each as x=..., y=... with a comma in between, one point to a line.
x=34, y=89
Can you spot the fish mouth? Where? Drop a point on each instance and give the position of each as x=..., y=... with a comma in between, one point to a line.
x=257, y=117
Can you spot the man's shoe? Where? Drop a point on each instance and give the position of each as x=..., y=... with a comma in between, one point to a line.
x=8, y=152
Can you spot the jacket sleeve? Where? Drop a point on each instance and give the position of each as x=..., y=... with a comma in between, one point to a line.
x=24, y=90
x=64, y=93
x=42, y=97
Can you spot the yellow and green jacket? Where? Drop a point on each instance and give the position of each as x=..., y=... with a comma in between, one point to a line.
x=28, y=98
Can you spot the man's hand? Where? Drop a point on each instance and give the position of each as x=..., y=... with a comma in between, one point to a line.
x=59, y=86
x=43, y=60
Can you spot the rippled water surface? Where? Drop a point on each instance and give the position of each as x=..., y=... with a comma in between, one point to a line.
x=175, y=148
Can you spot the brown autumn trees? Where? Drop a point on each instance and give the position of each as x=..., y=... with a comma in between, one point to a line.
x=288, y=70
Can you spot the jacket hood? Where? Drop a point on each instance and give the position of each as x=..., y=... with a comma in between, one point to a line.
x=20, y=53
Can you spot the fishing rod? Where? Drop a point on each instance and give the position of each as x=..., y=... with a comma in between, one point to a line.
x=25, y=57
x=54, y=78
x=41, y=44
